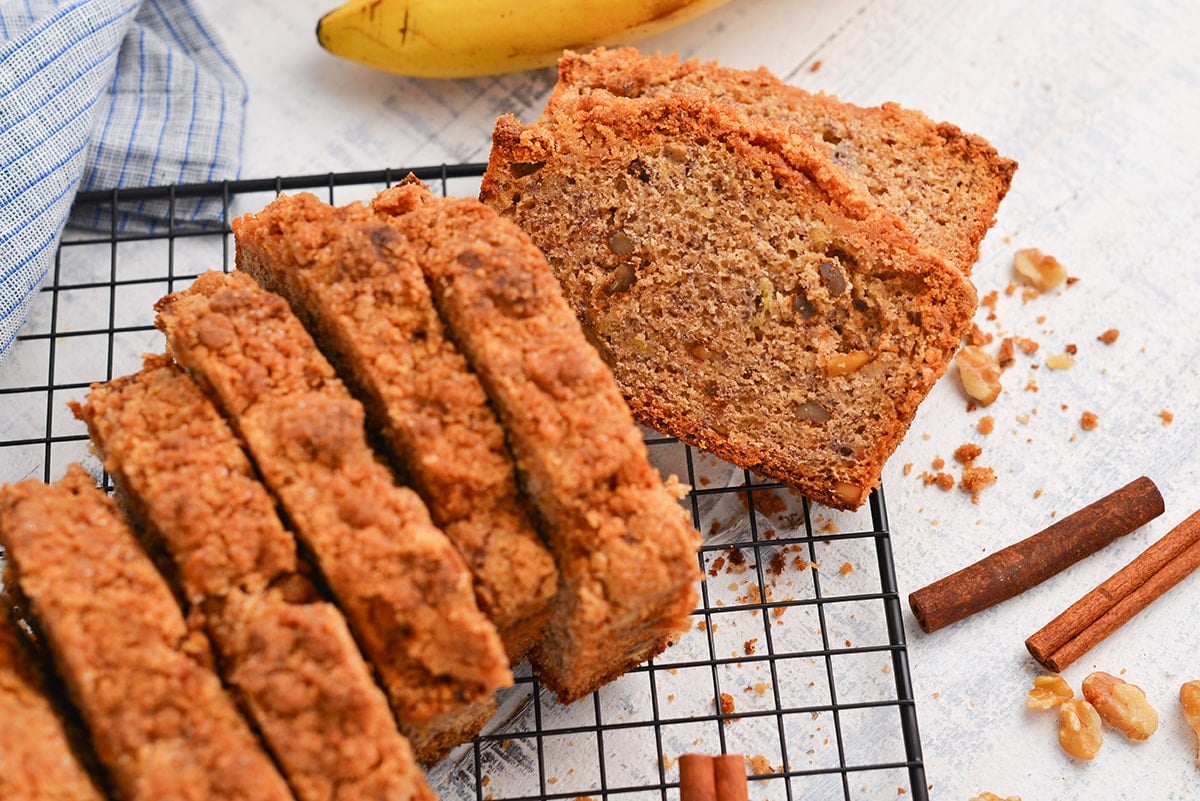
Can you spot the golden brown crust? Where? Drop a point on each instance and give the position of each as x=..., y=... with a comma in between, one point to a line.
x=288, y=655
x=37, y=762
x=734, y=280
x=403, y=587
x=625, y=550
x=944, y=183
x=355, y=284
x=183, y=474
x=161, y=723
x=315, y=700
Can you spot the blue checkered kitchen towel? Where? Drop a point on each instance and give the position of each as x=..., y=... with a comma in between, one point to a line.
x=96, y=94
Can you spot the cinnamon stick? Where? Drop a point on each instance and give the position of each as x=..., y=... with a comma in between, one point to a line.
x=730, y=773
x=1114, y=602
x=697, y=779
x=707, y=778
x=1012, y=570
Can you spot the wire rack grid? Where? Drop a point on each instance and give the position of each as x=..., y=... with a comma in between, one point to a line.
x=796, y=657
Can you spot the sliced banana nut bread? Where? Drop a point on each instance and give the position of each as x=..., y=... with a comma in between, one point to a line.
x=748, y=298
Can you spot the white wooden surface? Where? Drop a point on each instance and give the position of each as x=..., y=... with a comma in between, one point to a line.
x=1100, y=103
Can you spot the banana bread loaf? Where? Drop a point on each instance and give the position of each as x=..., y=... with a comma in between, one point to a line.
x=749, y=299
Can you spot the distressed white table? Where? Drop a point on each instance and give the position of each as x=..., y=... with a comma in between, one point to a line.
x=1100, y=104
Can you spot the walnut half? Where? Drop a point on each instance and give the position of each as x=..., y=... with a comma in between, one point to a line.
x=1189, y=697
x=1048, y=692
x=1079, y=732
x=1121, y=705
x=1038, y=269
x=979, y=372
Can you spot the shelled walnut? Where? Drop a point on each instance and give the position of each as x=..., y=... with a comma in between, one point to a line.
x=1048, y=692
x=1121, y=705
x=1189, y=698
x=1079, y=732
x=1037, y=269
x=979, y=372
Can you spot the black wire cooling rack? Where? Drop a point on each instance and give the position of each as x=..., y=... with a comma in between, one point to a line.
x=796, y=658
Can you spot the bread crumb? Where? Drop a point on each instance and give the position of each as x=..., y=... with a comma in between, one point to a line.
x=760, y=765
x=989, y=302
x=975, y=479
x=1110, y=336
x=1088, y=421
x=1167, y=417
x=726, y=704
x=846, y=568
x=967, y=453
x=750, y=646
x=943, y=481
x=815, y=66
x=986, y=425
x=766, y=502
x=977, y=337
x=1005, y=357
x=907, y=469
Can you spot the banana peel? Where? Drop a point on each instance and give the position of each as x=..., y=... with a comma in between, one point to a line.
x=469, y=38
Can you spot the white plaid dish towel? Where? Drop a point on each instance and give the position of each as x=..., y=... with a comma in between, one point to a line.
x=97, y=94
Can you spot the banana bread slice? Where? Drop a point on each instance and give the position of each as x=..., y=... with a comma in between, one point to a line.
x=626, y=552
x=355, y=284
x=37, y=761
x=403, y=587
x=944, y=183
x=143, y=682
x=749, y=300
x=287, y=653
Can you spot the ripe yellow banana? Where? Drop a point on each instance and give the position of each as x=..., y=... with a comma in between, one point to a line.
x=463, y=38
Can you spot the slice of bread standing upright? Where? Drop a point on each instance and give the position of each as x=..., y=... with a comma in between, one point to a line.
x=356, y=285
x=162, y=724
x=625, y=549
x=37, y=757
x=748, y=298
x=286, y=652
x=404, y=588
